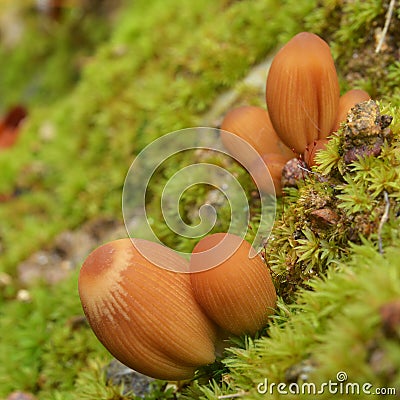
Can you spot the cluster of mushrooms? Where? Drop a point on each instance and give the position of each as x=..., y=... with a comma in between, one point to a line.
x=164, y=316
x=304, y=108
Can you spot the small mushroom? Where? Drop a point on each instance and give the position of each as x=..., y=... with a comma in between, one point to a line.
x=302, y=91
x=234, y=286
x=145, y=315
x=253, y=125
x=275, y=163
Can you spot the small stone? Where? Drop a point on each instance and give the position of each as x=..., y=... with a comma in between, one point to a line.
x=385, y=121
x=363, y=151
x=21, y=396
x=118, y=373
x=24, y=296
x=293, y=172
x=365, y=131
x=5, y=279
x=300, y=372
x=363, y=120
x=324, y=218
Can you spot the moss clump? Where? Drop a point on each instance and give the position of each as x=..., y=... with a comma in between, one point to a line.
x=43, y=346
x=355, y=43
x=310, y=341
x=342, y=200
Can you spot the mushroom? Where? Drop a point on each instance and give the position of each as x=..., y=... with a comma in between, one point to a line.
x=146, y=315
x=253, y=125
x=231, y=283
x=302, y=91
x=275, y=163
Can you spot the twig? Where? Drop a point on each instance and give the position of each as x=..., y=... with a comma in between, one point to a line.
x=319, y=176
x=386, y=27
x=384, y=218
x=307, y=170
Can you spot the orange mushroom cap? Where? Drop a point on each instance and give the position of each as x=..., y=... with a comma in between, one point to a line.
x=303, y=91
x=253, y=125
x=237, y=292
x=146, y=316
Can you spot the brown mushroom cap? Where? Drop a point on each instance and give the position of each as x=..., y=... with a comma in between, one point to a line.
x=253, y=125
x=275, y=163
x=303, y=91
x=238, y=293
x=146, y=316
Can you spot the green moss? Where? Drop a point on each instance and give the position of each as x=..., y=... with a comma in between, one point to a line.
x=42, y=348
x=324, y=327
x=339, y=202
x=47, y=60
x=193, y=198
x=355, y=42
